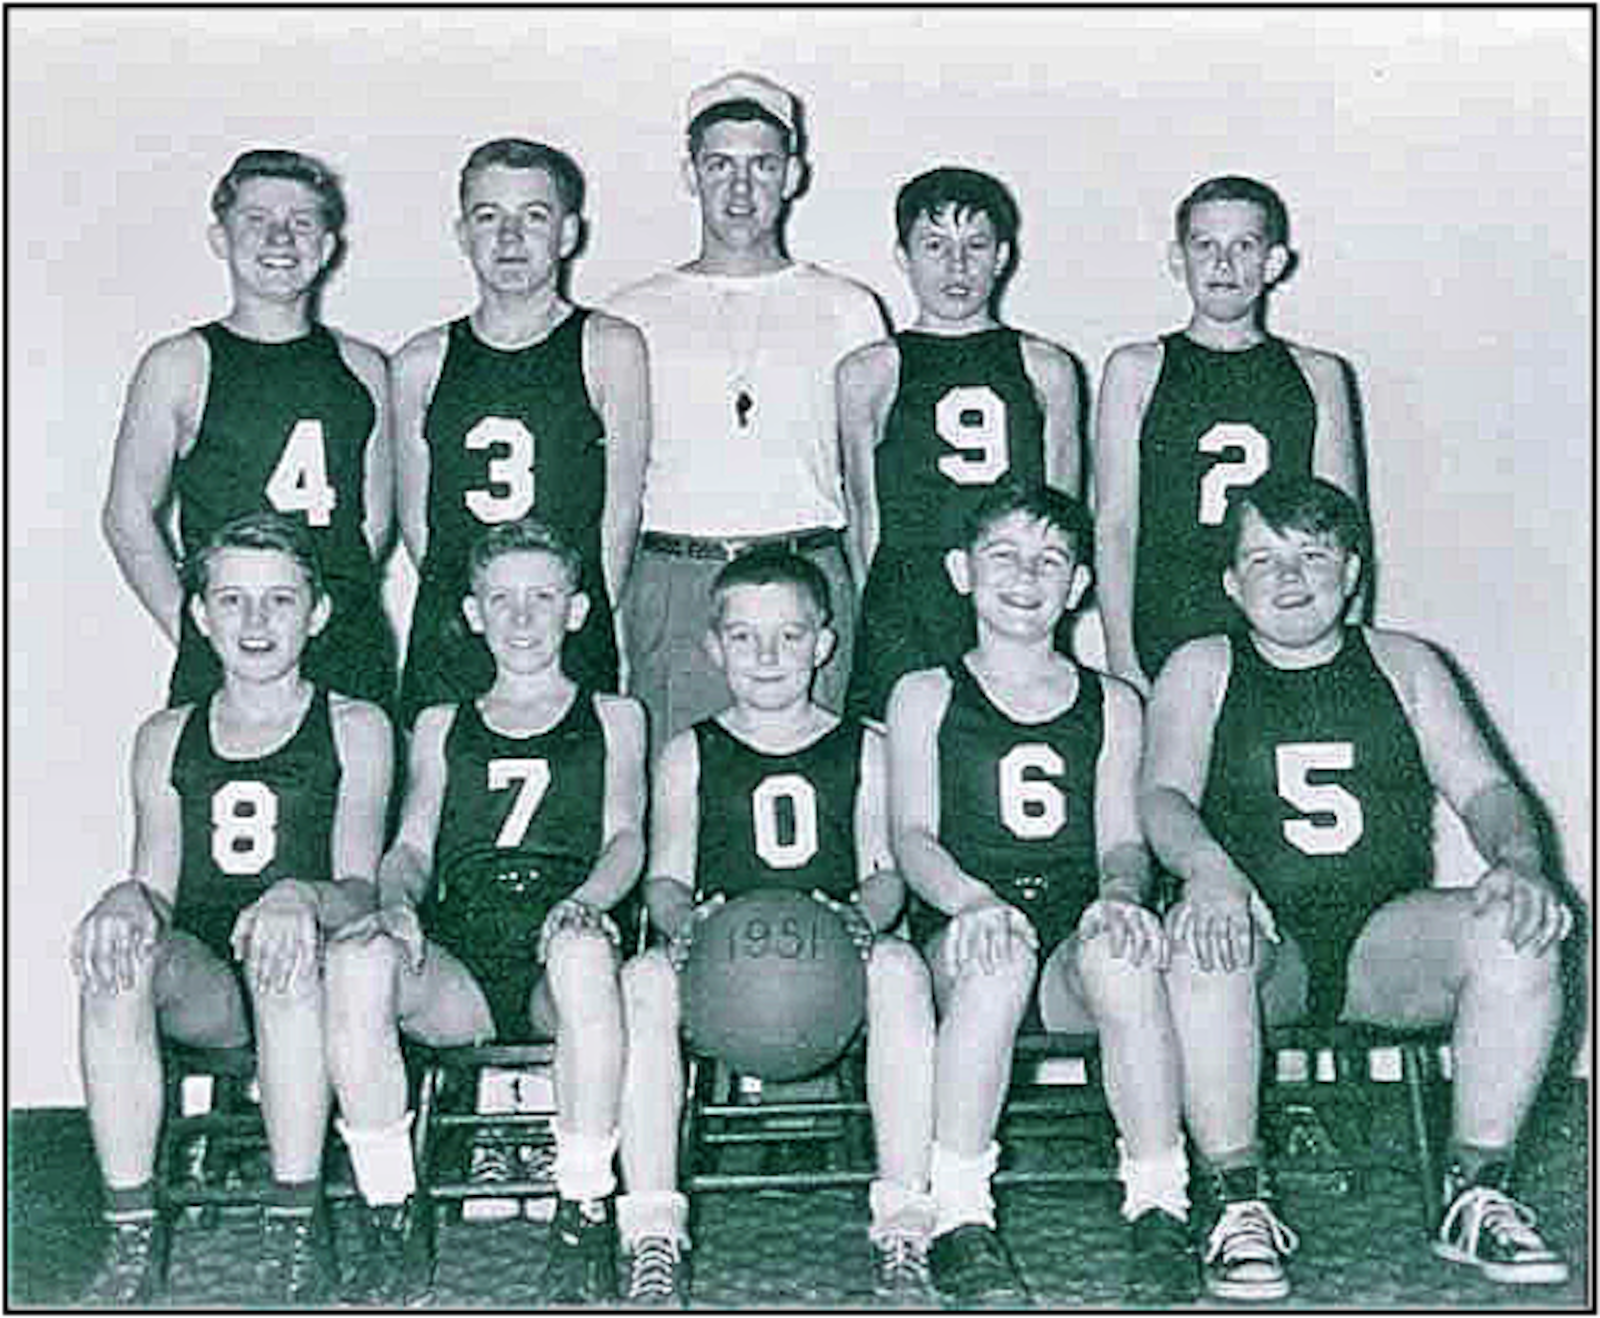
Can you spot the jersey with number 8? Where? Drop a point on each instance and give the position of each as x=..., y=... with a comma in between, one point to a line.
x=248, y=823
x=1016, y=803
x=1318, y=791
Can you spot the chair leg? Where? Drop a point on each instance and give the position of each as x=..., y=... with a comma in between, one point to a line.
x=1414, y=1062
x=688, y=1125
x=422, y=1132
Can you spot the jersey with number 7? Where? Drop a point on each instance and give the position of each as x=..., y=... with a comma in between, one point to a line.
x=286, y=427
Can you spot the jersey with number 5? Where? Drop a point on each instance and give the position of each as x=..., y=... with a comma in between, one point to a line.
x=1215, y=421
x=249, y=823
x=1016, y=802
x=521, y=826
x=509, y=433
x=777, y=821
x=1318, y=791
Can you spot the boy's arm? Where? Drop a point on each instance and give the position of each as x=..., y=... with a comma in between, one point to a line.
x=377, y=496
x=1055, y=382
x=1467, y=774
x=1333, y=449
x=118, y=936
x=621, y=857
x=1219, y=901
x=412, y=376
x=864, y=384
x=883, y=892
x=674, y=834
x=1130, y=375
x=164, y=401
x=617, y=373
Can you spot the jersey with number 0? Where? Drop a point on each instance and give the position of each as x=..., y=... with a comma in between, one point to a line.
x=285, y=427
x=521, y=826
x=1318, y=791
x=1016, y=803
x=509, y=433
x=778, y=821
x=249, y=823
x=965, y=415
x=1215, y=421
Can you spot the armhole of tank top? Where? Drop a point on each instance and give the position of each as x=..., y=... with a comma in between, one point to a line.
x=209, y=335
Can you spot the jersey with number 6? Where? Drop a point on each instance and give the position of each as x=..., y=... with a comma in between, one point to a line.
x=285, y=427
x=521, y=826
x=1016, y=803
x=1215, y=421
x=509, y=433
x=964, y=416
x=1318, y=791
x=249, y=823
x=778, y=821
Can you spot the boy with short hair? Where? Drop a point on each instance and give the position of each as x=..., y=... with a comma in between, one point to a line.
x=720, y=787
x=1289, y=780
x=521, y=829
x=529, y=404
x=264, y=409
x=1012, y=809
x=258, y=823
x=1199, y=412
x=933, y=417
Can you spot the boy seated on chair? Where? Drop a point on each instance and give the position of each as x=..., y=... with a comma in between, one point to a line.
x=716, y=832
x=258, y=821
x=1013, y=776
x=1289, y=781
x=521, y=828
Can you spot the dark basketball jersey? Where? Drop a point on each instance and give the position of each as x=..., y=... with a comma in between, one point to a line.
x=964, y=416
x=1016, y=804
x=1215, y=421
x=520, y=828
x=778, y=821
x=285, y=427
x=1318, y=791
x=249, y=823
x=509, y=433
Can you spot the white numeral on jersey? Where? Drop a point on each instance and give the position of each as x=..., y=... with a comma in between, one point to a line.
x=244, y=827
x=771, y=845
x=972, y=418
x=1033, y=807
x=1328, y=836
x=532, y=778
x=511, y=470
x=1254, y=455
x=299, y=483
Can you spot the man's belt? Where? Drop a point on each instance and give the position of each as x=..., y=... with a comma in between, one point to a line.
x=722, y=549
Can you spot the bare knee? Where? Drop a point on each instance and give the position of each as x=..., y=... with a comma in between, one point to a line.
x=1118, y=986
x=896, y=971
x=581, y=969
x=1003, y=986
x=1491, y=961
x=650, y=992
x=361, y=977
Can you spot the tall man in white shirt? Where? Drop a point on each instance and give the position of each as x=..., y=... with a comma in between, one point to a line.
x=743, y=342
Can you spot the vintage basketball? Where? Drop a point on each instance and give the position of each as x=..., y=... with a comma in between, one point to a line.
x=774, y=987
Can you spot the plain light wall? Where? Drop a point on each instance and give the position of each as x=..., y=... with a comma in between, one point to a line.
x=1436, y=165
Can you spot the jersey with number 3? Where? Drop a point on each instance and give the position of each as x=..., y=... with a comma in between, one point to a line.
x=249, y=823
x=1016, y=802
x=521, y=826
x=1318, y=791
x=285, y=428
x=964, y=416
x=509, y=433
x=1215, y=421
x=777, y=821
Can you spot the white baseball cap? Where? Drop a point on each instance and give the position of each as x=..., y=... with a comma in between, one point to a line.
x=744, y=87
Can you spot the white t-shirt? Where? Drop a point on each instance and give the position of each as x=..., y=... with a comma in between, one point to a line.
x=744, y=436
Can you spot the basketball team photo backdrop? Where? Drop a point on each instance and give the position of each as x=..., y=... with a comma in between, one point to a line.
x=1437, y=167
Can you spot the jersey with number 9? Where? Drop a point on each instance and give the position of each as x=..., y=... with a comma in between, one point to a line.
x=248, y=823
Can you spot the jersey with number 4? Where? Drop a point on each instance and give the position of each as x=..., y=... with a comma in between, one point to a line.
x=778, y=820
x=964, y=416
x=520, y=828
x=1016, y=803
x=1318, y=791
x=509, y=433
x=285, y=428
x=1215, y=421
x=249, y=823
